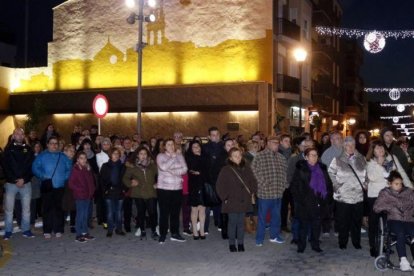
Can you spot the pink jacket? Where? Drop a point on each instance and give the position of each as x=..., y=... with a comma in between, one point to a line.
x=170, y=171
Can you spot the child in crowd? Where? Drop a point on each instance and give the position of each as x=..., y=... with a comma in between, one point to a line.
x=397, y=201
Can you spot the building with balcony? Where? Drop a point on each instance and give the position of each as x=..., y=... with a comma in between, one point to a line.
x=326, y=72
x=293, y=21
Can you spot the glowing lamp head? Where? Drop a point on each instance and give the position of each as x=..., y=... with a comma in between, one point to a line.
x=351, y=121
x=150, y=18
x=100, y=106
x=300, y=54
x=152, y=3
x=130, y=3
x=400, y=108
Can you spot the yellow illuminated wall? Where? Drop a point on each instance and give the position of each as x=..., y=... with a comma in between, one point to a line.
x=192, y=42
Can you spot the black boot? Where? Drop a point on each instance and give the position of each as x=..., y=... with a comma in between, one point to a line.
x=143, y=235
x=232, y=248
x=240, y=248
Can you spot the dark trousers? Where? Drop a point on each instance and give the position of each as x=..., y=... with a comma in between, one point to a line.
x=373, y=220
x=101, y=210
x=236, y=228
x=216, y=217
x=326, y=218
x=286, y=201
x=224, y=225
x=401, y=229
x=72, y=215
x=143, y=206
x=186, y=212
x=127, y=209
x=349, y=219
x=18, y=211
x=314, y=224
x=53, y=215
x=170, y=206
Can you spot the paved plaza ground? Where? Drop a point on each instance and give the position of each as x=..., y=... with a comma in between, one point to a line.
x=130, y=256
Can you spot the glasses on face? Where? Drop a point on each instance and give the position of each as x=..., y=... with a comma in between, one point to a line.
x=312, y=155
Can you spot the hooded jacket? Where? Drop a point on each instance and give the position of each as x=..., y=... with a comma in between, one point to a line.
x=398, y=205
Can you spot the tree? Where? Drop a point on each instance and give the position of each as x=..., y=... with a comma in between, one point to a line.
x=35, y=116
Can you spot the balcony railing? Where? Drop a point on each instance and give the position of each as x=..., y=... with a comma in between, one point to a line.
x=287, y=84
x=287, y=28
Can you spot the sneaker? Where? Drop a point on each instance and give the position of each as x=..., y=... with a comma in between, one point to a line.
x=80, y=239
x=277, y=240
x=259, y=244
x=138, y=233
x=187, y=232
x=177, y=238
x=105, y=225
x=363, y=231
x=88, y=237
x=326, y=234
x=7, y=236
x=47, y=235
x=161, y=240
x=405, y=265
x=219, y=229
x=28, y=234
x=39, y=224
x=58, y=235
x=206, y=233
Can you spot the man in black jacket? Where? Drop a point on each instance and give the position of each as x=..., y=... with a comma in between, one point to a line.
x=18, y=158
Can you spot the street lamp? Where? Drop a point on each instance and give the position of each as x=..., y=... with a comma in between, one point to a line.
x=140, y=45
x=300, y=55
x=350, y=122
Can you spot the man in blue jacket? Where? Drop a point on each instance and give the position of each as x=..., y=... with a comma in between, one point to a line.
x=52, y=164
x=18, y=158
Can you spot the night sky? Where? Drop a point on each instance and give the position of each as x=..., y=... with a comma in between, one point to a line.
x=393, y=67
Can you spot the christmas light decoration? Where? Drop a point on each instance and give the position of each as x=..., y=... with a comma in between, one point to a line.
x=357, y=33
x=400, y=104
x=395, y=119
x=380, y=90
x=403, y=125
x=394, y=94
x=374, y=42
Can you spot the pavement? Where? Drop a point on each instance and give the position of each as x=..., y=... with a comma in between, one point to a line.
x=131, y=256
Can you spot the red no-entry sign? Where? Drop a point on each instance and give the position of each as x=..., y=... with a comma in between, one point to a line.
x=100, y=106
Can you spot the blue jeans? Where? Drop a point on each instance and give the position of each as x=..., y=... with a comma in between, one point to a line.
x=114, y=213
x=274, y=206
x=82, y=215
x=25, y=197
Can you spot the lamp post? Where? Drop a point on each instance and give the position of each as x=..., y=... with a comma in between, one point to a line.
x=300, y=55
x=140, y=46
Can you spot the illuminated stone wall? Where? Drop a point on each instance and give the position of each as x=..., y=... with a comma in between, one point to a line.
x=157, y=123
x=192, y=42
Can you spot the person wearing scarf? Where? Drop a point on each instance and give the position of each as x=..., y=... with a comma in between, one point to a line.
x=110, y=182
x=140, y=176
x=312, y=192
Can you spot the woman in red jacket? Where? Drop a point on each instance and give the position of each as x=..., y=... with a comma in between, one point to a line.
x=82, y=183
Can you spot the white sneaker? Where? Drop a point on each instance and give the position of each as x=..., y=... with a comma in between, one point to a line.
x=363, y=231
x=58, y=235
x=326, y=235
x=405, y=265
x=138, y=233
x=17, y=229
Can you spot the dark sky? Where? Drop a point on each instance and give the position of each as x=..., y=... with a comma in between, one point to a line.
x=393, y=66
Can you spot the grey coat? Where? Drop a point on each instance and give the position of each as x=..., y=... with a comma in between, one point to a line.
x=345, y=184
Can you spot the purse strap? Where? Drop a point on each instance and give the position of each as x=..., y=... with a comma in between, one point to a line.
x=359, y=181
x=241, y=180
x=57, y=163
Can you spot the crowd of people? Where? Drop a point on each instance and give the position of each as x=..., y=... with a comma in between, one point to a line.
x=298, y=185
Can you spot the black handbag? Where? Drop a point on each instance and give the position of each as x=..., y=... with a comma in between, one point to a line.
x=46, y=185
x=210, y=196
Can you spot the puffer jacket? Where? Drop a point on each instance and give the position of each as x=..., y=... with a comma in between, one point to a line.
x=45, y=163
x=146, y=180
x=398, y=205
x=171, y=169
x=377, y=175
x=346, y=187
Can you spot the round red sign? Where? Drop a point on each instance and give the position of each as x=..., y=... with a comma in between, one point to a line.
x=100, y=106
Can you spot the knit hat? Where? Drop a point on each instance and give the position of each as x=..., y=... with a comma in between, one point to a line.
x=106, y=140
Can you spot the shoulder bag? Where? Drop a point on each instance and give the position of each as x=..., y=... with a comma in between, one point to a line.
x=47, y=184
x=245, y=186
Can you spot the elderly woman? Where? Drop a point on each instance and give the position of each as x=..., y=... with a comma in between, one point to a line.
x=380, y=165
x=348, y=175
x=311, y=189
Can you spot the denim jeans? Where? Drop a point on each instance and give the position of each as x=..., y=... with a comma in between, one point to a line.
x=82, y=216
x=114, y=213
x=25, y=198
x=265, y=205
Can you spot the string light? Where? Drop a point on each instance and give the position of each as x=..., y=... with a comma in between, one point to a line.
x=403, y=125
x=381, y=90
x=401, y=104
x=357, y=33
